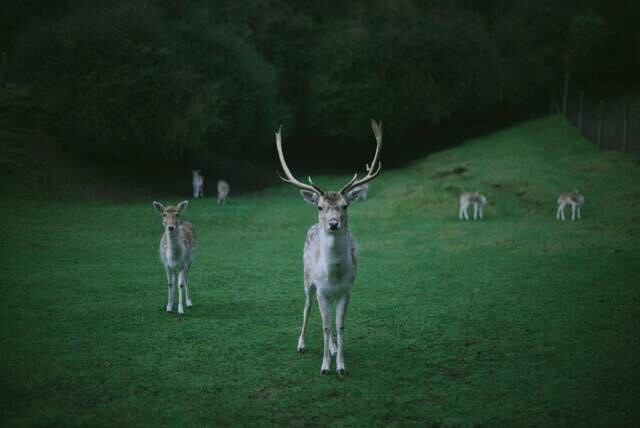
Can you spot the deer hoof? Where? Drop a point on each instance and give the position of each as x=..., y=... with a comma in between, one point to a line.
x=301, y=349
x=324, y=372
x=341, y=373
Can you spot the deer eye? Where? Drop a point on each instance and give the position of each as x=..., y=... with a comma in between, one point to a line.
x=178, y=215
x=164, y=214
x=319, y=208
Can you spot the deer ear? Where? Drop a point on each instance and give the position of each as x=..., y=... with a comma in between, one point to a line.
x=182, y=205
x=158, y=206
x=309, y=197
x=354, y=194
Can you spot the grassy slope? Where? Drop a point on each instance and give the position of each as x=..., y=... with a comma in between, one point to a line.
x=516, y=320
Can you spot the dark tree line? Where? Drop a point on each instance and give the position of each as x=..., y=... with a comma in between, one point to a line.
x=142, y=79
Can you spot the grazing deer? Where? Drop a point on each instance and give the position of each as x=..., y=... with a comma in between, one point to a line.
x=477, y=199
x=575, y=199
x=198, y=183
x=177, y=251
x=223, y=191
x=331, y=252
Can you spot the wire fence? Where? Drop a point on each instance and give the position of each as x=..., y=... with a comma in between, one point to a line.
x=612, y=122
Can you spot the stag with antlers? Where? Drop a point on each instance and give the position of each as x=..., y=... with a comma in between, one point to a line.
x=330, y=251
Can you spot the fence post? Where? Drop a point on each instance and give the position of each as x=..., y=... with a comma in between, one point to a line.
x=2, y=67
x=625, y=128
x=565, y=94
x=600, y=114
x=580, y=112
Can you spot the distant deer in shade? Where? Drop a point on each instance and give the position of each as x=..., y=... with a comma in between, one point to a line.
x=198, y=183
x=331, y=252
x=477, y=199
x=575, y=199
x=177, y=251
x=223, y=191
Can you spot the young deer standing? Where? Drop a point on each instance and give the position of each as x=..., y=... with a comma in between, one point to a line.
x=330, y=251
x=223, y=191
x=198, y=183
x=575, y=199
x=177, y=251
x=477, y=199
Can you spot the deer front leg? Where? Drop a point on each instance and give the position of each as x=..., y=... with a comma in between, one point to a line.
x=181, y=281
x=573, y=212
x=475, y=211
x=170, y=284
x=325, y=312
x=579, y=209
x=308, y=293
x=341, y=311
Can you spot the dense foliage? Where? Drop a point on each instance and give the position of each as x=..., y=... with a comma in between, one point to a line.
x=142, y=79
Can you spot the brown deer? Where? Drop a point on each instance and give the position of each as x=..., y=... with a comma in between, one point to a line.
x=575, y=199
x=198, y=183
x=177, y=251
x=331, y=252
x=223, y=191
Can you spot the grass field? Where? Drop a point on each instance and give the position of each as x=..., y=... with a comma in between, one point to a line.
x=518, y=320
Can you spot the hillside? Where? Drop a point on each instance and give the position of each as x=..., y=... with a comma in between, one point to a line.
x=515, y=320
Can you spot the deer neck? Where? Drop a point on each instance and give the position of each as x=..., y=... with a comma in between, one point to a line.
x=175, y=246
x=333, y=246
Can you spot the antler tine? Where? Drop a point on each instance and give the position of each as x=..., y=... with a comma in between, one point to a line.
x=376, y=165
x=289, y=177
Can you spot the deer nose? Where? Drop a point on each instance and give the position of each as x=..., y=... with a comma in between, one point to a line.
x=171, y=228
x=334, y=224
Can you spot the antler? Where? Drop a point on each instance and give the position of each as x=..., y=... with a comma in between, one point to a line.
x=290, y=178
x=374, y=169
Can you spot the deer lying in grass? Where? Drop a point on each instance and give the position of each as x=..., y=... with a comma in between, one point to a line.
x=575, y=199
x=330, y=252
x=198, y=183
x=477, y=199
x=223, y=191
x=177, y=251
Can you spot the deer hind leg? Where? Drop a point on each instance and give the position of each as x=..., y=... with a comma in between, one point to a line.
x=341, y=311
x=560, y=213
x=325, y=311
x=186, y=288
x=475, y=211
x=309, y=290
x=573, y=212
x=481, y=211
x=579, y=209
x=171, y=281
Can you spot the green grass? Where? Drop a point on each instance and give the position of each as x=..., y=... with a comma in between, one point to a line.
x=518, y=320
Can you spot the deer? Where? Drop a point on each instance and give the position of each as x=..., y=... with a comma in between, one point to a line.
x=331, y=252
x=177, y=251
x=198, y=183
x=477, y=199
x=223, y=191
x=575, y=199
